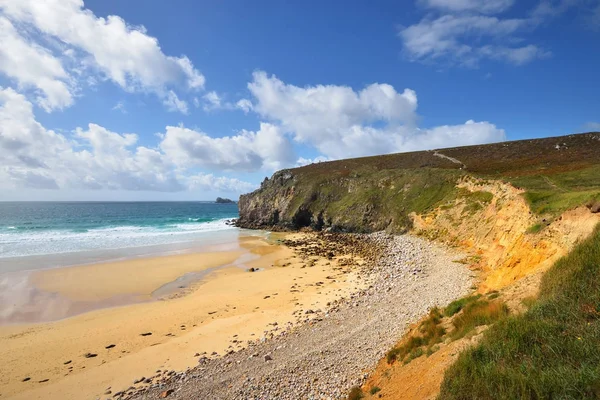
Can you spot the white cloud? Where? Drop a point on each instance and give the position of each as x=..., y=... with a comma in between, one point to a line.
x=34, y=66
x=221, y=184
x=245, y=105
x=342, y=123
x=481, y=6
x=32, y=156
x=322, y=111
x=306, y=161
x=461, y=39
x=173, y=103
x=465, y=32
x=212, y=101
x=265, y=149
x=122, y=53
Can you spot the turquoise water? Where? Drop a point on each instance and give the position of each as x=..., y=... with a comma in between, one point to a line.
x=47, y=228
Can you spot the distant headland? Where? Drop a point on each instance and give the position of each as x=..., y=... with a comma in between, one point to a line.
x=221, y=200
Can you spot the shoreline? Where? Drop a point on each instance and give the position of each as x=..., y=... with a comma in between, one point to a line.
x=221, y=312
x=31, y=263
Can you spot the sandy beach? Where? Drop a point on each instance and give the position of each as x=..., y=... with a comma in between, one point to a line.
x=97, y=353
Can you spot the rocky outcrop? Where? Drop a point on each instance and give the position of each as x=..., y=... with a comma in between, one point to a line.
x=343, y=201
x=264, y=207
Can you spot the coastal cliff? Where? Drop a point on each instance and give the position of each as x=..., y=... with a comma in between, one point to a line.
x=381, y=193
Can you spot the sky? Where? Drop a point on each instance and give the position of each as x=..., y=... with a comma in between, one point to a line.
x=189, y=100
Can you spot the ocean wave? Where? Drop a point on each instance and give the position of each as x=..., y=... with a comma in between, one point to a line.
x=16, y=242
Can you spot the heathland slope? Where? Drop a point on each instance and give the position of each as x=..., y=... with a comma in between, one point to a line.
x=379, y=193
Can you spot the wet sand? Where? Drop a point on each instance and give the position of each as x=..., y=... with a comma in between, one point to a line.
x=222, y=311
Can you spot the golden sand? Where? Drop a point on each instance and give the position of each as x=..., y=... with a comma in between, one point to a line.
x=228, y=302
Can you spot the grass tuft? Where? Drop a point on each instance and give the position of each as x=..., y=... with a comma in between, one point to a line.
x=428, y=334
x=375, y=390
x=535, y=228
x=458, y=305
x=356, y=393
x=477, y=313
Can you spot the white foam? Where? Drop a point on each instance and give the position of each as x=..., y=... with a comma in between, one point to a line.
x=29, y=243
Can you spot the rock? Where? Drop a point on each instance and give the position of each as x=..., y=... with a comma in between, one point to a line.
x=166, y=393
x=90, y=355
x=268, y=357
x=146, y=334
x=221, y=200
x=44, y=381
x=110, y=346
x=67, y=362
x=26, y=379
x=135, y=382
x=594, y=207
x=252, y=269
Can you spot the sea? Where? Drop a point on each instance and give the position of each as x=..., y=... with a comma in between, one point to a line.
x=36, y=235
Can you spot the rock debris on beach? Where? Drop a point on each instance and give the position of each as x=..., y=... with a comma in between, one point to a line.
x=328, y=351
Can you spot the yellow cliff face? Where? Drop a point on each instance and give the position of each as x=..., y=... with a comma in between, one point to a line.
x=498, y=231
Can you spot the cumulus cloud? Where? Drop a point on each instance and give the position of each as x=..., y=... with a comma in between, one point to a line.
x=341, y=122
x=94, y=157
x=33, y=66
x=122, y=53
x=465, y=32
x=266, y=148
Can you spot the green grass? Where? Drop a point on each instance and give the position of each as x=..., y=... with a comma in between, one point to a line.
x=375, y=390
x=371, y=200
x=477, y=313
x=535, y=228
x=478, y=195
x=556, y=193
x=458, y=305
x=428, y=334
x=552, y=351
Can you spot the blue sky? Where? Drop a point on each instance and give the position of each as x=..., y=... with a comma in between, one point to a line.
x=131, y=100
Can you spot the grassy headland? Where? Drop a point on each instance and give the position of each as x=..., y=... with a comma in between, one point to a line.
x=376, y=193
